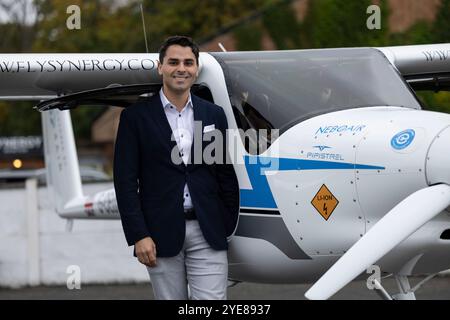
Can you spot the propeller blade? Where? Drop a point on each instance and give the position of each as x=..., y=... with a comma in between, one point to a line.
x=398, y=224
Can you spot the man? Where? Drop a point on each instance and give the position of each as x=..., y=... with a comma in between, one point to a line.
x=176, y=212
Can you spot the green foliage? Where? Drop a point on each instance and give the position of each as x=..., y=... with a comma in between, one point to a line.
x=380, y=37
x=196, y=18
x=107, y=27
x=337, y=23
x=17, y=33
x=424, y=32
x=439, y=102
x=82, y=119
x=103, y=28
x=248, y=37
x=18, y=118
x=441, y=27
x=16, y=38
x=283, y=27
x=419, y=33
x=341, y=23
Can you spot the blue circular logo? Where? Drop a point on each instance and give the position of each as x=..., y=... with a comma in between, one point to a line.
x=403, y=139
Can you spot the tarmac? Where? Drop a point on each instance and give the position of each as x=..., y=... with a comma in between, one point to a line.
x=437, y=288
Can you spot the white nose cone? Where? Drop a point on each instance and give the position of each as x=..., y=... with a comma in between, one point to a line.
x=438, y=159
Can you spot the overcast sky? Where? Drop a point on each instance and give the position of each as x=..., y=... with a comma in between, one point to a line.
x=17, y=10
x=23, y=10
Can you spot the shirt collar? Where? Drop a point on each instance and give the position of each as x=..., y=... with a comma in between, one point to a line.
x=166, y=103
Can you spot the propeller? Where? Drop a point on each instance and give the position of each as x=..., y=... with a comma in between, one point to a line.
x=398, y=224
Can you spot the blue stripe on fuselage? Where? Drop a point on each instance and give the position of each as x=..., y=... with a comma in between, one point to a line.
x=260, y=195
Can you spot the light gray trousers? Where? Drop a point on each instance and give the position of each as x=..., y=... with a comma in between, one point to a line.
x=197, y=266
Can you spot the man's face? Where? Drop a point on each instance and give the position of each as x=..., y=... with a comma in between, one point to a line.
x=178, y=69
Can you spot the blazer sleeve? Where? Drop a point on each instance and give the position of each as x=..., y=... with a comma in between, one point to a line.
x=126, y=183
x=226, y=176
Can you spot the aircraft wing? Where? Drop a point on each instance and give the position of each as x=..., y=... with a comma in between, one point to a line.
x=41, y=77
x=47, y=76
x=403, y=220
x=115, y=96
x=424, y=67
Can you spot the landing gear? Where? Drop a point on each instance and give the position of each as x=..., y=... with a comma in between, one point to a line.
x=405, y=289
x=381, y=291
x=406, y=292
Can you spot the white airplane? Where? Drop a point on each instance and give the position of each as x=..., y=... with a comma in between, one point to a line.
x=358, y=176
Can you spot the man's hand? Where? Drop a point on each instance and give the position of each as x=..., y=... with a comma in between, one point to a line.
x=146, y=251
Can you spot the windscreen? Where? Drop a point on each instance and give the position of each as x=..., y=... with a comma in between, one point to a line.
x=277, y=89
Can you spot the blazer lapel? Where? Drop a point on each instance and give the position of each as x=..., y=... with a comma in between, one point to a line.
x=199, y=117
x=160, y=118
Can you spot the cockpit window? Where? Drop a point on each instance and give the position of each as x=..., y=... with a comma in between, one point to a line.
x=275, y=90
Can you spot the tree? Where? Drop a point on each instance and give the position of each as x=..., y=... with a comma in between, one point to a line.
x=342, y=23
x=116, y=26
x=282, y=25
x=441, y=26
x=105, y=27
x=419, y=33
x=199, y=19
x=424, y=32
x=248, y=36
x=17, y=30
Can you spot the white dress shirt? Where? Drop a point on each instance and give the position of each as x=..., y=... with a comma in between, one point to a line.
x=182, y=124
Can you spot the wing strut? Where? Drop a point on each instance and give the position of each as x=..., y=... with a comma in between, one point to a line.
x=398, y=224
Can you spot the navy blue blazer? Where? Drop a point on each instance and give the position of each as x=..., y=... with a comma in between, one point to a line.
x=149, y=185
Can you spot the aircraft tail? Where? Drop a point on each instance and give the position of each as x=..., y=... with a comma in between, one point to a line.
x=61, y=161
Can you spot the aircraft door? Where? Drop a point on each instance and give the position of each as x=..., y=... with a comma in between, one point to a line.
x=212, y=77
